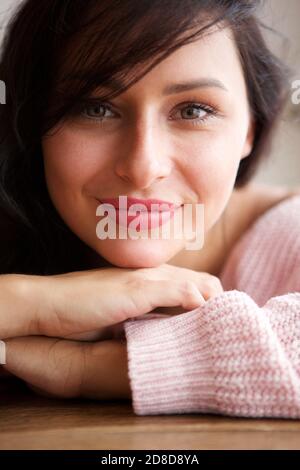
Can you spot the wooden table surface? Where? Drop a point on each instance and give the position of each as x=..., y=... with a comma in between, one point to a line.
x=28, y=421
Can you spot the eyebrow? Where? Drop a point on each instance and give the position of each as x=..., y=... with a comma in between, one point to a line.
x=174, y=88
x=192, y=85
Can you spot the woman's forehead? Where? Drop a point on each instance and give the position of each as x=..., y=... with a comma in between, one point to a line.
x=213, y=54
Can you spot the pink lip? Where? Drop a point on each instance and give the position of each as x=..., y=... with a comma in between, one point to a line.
x=151, y=218
x=146, y=202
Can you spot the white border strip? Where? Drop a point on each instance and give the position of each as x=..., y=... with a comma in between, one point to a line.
x=2, y=352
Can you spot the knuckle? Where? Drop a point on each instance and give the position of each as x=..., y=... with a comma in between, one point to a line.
x=216, y=282
x=213, y=286
x=189, y=288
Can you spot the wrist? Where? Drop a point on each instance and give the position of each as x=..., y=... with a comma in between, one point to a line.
x=106, y=371
x=39, y=293
x=19, y=304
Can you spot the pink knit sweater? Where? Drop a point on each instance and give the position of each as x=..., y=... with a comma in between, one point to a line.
x=239, y=354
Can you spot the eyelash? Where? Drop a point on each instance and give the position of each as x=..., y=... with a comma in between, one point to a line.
x=210, y=110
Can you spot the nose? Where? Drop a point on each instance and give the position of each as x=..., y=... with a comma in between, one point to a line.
x=143, y=160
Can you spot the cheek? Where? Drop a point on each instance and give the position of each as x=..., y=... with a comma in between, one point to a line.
x=70, y=160
x=211, y=163
x=210, y=171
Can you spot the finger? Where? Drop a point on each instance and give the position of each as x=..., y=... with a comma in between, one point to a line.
x=208, y=284
x=149, y=294
x=211, y=287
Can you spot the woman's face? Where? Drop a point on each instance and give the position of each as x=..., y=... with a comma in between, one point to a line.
x=182, y=146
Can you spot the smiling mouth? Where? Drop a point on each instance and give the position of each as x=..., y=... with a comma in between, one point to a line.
x=148, y=218
x=149, y=205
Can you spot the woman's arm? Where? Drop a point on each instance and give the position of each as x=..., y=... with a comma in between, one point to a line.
x=98, y=299
x=19, y=299
x=67, y=369
x=88, y=305
x=227, y=357
x=82, y=305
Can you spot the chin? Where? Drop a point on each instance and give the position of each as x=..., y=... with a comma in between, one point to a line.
x=138, y=253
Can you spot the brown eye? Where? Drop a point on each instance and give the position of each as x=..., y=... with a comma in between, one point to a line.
x=95, y=111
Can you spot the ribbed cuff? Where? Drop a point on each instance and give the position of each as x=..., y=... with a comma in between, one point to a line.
x=223, y=357
x=171, y=361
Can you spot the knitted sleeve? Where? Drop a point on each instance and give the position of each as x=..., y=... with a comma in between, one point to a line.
x=239, y=353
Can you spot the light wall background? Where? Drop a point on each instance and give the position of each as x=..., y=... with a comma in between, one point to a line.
x=283, y=165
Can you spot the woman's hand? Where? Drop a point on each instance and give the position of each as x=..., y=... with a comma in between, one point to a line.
x=67, y=369
x=86, y=304
x=102, y=298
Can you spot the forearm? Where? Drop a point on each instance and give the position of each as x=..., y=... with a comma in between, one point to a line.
x=19, y=303
x=69, y=369
x=106, y=371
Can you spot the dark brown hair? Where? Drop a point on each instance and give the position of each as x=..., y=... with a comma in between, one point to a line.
x=56, y=52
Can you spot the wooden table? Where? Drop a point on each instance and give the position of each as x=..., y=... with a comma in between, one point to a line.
x=28, y=421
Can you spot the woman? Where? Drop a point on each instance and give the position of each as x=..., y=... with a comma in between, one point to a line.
x=138, y=99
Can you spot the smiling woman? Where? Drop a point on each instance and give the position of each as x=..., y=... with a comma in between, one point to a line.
x=169, y=101
x=110, y=101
